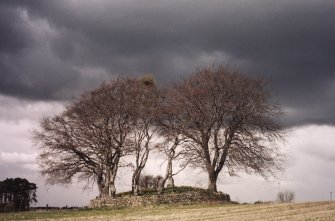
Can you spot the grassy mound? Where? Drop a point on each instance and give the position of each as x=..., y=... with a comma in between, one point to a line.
x=176, y=195
x=169, y=190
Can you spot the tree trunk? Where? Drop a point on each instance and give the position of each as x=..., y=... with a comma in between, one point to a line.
x=103, y=192
x=113, y=172
x=112, y=190
x=136, y=182
x=105, y=188
x=168, y=174
x=171, y=182
x=140, y=164
x=161, y=186
x=212, y=178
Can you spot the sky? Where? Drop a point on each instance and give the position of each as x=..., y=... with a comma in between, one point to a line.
x=52, y=51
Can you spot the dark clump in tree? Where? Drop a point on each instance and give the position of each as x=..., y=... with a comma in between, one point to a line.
x=229, y=121
x=16, y=194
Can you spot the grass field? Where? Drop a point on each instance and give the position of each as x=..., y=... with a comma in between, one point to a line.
x=240, y=212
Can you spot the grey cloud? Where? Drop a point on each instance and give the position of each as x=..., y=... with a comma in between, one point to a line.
x=290, y=43
x=14, y=35
x=42, y=78
x=13, y=110
x=13, y=164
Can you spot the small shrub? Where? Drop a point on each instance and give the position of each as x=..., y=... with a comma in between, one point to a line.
x=285, y=197
x=258, y=202
x=149, y=182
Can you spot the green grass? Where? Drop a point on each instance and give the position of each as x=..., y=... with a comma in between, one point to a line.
x=231, y=212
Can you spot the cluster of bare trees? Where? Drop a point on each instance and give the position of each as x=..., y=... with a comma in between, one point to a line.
x=216, y=118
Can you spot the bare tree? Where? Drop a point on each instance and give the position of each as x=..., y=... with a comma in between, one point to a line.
x=285, y=197
x=88, y=139
x=172, y=150
x=145, y=97
x=228, y=119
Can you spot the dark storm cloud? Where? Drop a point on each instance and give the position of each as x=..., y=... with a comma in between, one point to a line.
x=14, y=36
x=52, y=48
x=27, y=68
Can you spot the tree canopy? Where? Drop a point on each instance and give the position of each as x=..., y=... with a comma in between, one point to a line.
x=16, y=194
x=228, y=119
x=90, y=137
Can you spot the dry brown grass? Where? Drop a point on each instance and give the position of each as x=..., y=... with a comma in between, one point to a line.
x=293, y=211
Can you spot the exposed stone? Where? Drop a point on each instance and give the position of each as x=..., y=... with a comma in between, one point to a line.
x=171, y=198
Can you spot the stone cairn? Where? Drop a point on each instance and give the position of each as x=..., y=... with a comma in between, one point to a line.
x=171, y=198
